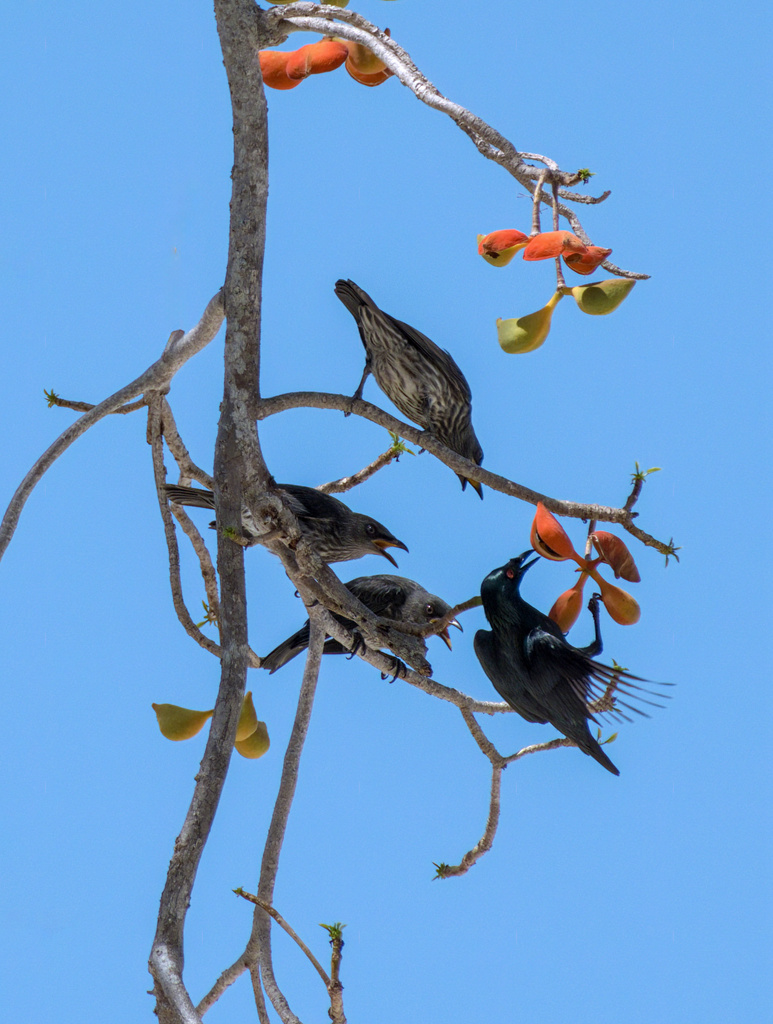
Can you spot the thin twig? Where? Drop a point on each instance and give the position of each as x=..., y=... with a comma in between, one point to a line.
x=188, y=468
x=65, y=403
x=498, y=763
x=346, y=483
x=537, y=201
x=538, y=748
x=159, y=473
x=335, y=988
x=290, y=931
x=560, y=282
x=261, y=932
x=208, y=574
x=178, y=350
x=490, y=143
x=485, y=744
x=486, y=841
x=224, y=981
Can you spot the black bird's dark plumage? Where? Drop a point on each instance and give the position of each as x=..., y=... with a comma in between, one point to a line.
x=539, y=674
x=391, y=597
x=420, y=378
x=337, y=533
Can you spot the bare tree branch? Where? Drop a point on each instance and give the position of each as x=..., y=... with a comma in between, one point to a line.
x=238, y=466
x=290, y=931
x=186, y=621
x=65, y=403
x=486, y=841
x=224, y=981
x=324, y=400
x=178, y=350
x=261, y=931
x=188, y=468
x=346, y=483
x=346, y=24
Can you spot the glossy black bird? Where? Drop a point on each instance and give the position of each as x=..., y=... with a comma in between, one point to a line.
x=420, y=378
x=539, y=674
x=337, y=533
x=391, y=597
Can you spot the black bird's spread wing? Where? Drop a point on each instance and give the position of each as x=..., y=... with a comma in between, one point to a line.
x=560, y=675
x=507, y=681
x=434, y=354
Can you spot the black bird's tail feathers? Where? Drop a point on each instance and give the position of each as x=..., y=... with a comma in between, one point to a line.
x=589, y=746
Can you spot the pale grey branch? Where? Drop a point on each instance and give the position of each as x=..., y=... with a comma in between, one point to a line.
x=486, y=841
x=261, y=930
x=576, y=510
x=156, y=378
x=490, y=143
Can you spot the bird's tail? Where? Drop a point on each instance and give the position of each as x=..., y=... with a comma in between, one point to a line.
x=476, y=486
x=590, y=746
x=353, y=297
x=287, y=650
x=581, y=735
x=598, y=754
x=190, y=496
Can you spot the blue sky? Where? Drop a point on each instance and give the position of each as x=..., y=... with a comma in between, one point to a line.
x=643, y=898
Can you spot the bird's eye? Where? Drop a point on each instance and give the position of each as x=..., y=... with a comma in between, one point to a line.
x=510, y=574
x=370, y=529
x=430, y=610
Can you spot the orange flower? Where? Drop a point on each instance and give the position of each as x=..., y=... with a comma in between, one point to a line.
x=499, y=247
x=621, y=606
x=375, y=79
x=364, y=66
x=550, y=244
x=550, y=539
x=586, y=262
x=273, y=67
x=614, y=552
x=316, y=58
x=568, y=606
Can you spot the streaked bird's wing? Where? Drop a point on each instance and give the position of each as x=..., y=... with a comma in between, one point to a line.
x=192, y=496
x=434, y=354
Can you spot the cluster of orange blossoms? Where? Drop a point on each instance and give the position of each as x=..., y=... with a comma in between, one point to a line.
x=549, y=539
x=527, y=333
x=499, y=247
x=178, y=723
x=283, y=69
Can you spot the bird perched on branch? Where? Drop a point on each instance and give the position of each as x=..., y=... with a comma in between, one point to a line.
x=391, y=597
x=336, y=533
x=420, y=378
x=539, y=674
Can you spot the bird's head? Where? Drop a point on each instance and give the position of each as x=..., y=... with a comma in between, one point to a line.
x=507, y=578
x=377, y=538
x=516, y=567
x=436, y=611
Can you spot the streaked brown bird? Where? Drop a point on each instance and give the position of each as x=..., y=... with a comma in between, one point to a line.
x=418, y=377
x=391, y=597
x=336, y=533
x=539, y=674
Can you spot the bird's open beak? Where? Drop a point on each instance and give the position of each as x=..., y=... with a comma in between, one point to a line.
x=527, y=565
x=443, y=634
x=382, y=545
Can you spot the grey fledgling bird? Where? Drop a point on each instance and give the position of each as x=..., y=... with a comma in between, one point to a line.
x=420, y=378
x=336, y=533
x=539, y=674
x=391, y=597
